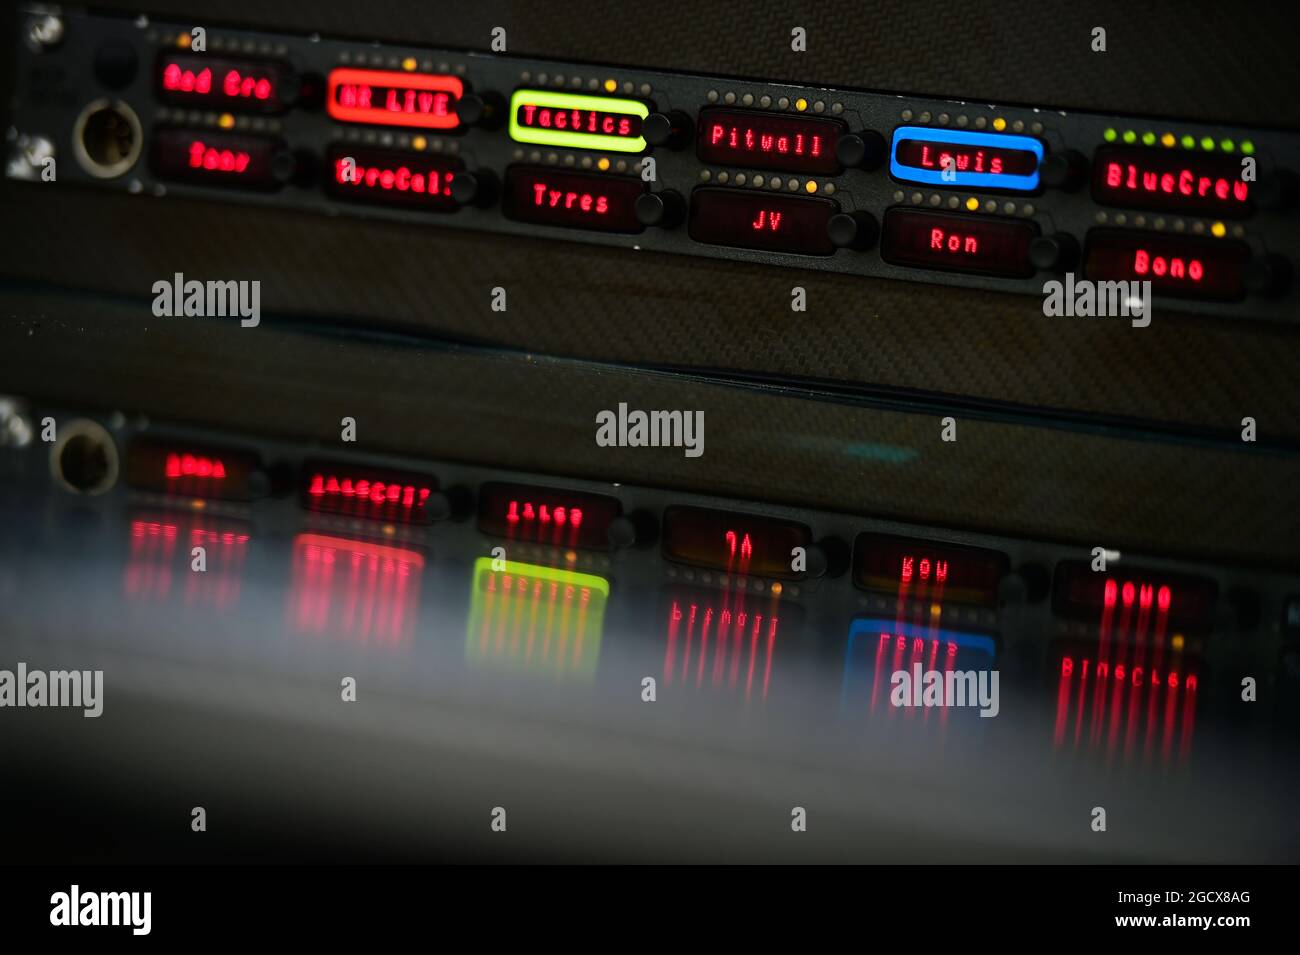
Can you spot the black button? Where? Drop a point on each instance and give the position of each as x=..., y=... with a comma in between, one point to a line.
x=1064, y=170
x=863, y=150
x=663, y=209
x=115, y=64
x=1267, y=275
x=1056, y=253
x=856, y=230
x=474, y=188
x=480, y=109
x=666, y=129
x=1278, y=191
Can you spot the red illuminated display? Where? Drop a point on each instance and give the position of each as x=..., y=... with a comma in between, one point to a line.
x=392, y=98
x=1136, y=704
x=546, y=515
x=769, y=141
x=161, y=550
x=979, y=245
x=190, y=471
x=366, y=493
x=924, y=570
x=575, y=200
x=1180, y=266
x=596, y=122
x=1171, y=181
x=1134, y=599
x=727, y=641
x=385, y=177
x=992, y=160
x=366, y=592
x=755, y=220
x=216, y=158
x=741, y=544
x=197, y=79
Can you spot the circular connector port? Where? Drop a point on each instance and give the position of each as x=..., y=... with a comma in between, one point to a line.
x=84, y=458
x=107, y=138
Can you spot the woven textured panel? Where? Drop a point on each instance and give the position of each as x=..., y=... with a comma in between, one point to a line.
x=539, y=414
x=613, y=305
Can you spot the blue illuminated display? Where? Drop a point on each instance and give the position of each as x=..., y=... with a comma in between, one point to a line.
x=967, y=644
x=877, y=646
x=976, y=160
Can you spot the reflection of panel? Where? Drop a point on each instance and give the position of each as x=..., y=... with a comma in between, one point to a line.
x=725, y=639
x=354, y=588
x=162, y=548
x=878, y=648
x=1138, y=700
x=539, y=619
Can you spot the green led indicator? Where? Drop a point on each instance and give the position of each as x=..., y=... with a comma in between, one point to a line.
x=1227, y=145
x=1148, y=139
x=1189, y=141
x=1109, y=135
x=1207, y=142
x=562, y=107
x=1247, y=147
x=1130, y=136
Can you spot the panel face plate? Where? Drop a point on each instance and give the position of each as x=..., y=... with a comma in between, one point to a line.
x=489, y=113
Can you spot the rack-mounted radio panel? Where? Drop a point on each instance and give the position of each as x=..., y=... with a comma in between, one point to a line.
x=903, y=187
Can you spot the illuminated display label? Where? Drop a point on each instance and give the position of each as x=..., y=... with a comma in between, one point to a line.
x=385, y=177
x=917, y=569
x=379, y=495
x=368, y=593
x=755, y=220
x=769, y=141
x=976, y=160
x=548, y=118
x=161, y=552
x=215, y=158
x=1132, y=599
x=393, y=98
x=1180, y=266
x=725, y=641
x=190, y=471
x=546, y=515
x=1171, y=181
x=742, y=544
x=980, y=245
x=879, y=647
x=201, y=80
x=571, y=199
x=1133, y=701
x=539, y=619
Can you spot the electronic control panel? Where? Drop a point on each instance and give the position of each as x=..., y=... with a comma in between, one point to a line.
x=903, y=187
x=568, y=545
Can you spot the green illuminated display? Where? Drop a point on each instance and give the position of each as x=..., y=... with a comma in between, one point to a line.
x=535, y=618
x=547, y=118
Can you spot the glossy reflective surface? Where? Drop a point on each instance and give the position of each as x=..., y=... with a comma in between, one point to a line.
x=524, y=685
